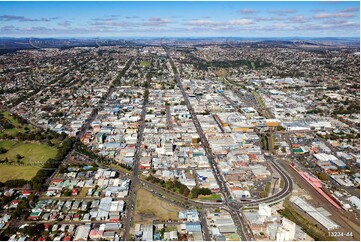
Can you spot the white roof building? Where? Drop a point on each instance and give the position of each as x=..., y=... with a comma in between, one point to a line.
x=264, y=210
x=355, y=201
x=82, y=232
x=310, y=210
x=286, y=231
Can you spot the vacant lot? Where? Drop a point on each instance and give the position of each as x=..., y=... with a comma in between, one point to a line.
x=33, y=155
x=149, y=207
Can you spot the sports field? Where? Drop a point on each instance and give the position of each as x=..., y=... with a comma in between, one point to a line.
x=10, y=172
x=34, y=156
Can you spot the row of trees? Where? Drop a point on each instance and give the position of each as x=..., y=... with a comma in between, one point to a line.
x=125, y=166
x=122, y=72
x=51, y=165
x=82, y=149
x=18, y=160
x=196, y=191
x=174, y=186
x=14, y=183
x=310, y=228
x=36, y=135
x=177, y=186
x=3, y=150
x=6, y=124
x=351, y=109
x=146, y=94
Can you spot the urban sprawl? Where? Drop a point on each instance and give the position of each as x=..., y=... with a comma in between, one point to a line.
x=225, y=141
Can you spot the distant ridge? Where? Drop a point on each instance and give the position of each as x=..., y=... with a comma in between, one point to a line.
x=13, y=44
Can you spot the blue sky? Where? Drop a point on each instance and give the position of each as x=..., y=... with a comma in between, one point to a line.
x=180, y=19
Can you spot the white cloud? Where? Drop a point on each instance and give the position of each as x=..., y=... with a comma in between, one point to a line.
x=207, y=22
x=248, y=11
x=203, y=22
x=298, y=19
x=332, y=15
x=283, y=12
x=349, y=10
x=240, y=22
x=157, y=21
x=64, y=23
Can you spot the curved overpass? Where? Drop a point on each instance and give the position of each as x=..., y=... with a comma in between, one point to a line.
x=286, y=190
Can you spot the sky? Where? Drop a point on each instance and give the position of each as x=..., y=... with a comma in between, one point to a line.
x=180, y=19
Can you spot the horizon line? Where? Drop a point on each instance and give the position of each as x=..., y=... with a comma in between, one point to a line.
x=174, y=37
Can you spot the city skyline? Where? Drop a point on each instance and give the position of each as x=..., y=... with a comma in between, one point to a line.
x=179, y=19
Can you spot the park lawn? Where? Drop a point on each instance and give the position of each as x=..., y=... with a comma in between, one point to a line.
x=13, y=121
x=144, y=63
x=149, y=208
x=10, y=172
x=210, y=197
x=253, y=65
x=13, y=132
x=7, y=144
x=18, y=126
x=33, y=153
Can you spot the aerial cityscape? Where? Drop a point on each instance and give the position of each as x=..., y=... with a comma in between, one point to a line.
x=180, y=121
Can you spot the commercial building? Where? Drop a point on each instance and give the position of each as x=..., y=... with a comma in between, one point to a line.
x=314, y=213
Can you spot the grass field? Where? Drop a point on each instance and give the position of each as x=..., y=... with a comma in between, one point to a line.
x=34, y=156
x=144, y=63
x=149, y=207
x=212, y=197
x=11, y=119
x=10, y=172
x=32, y=152
x=7, y=144
x=18, y=127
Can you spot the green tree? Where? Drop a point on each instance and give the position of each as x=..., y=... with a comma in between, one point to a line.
x=19, y=157
x=322, y=176
x=3, y=150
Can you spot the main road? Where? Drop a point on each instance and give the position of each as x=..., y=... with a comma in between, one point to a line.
x=245, y=232
x=127, y=221
x=233, y=206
